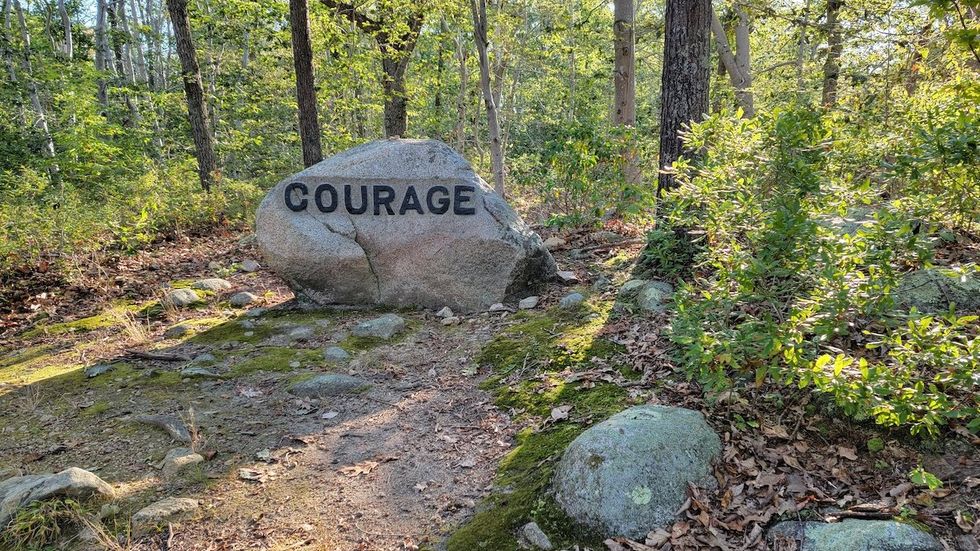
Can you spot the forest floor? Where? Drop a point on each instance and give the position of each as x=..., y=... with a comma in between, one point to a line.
x=407, y=463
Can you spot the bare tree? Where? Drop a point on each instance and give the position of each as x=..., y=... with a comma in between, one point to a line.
x=309, y=126
x=479, y=9
x=686, y=73
x=737, y=64
x=197, y=109
x=396, y=34
x=460, y=129
x=67, y=45
x=34, y=93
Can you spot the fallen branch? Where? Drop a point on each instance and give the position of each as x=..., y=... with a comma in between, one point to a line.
x=158, y=356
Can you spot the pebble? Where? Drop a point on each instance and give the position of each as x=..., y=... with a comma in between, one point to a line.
x=567, y=277
x=528, y=303
x=450, y=321
x=446, y=312
x=249, y=265
x=534, y=536
x=241, y=299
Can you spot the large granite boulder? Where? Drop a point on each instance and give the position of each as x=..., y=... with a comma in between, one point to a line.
x=400, y=223
x=20, y=491
x=876, y=535
x=629, y=474
x=931, y=291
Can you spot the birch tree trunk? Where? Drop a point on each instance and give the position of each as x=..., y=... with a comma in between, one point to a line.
x=68, y=46
x=197, y=110
x=32, y=90
x=309, y=126
x=479, y=8
x=686, y=74
x=136, y=41
x=101, y=55
x=460, y=130
x=736, y=64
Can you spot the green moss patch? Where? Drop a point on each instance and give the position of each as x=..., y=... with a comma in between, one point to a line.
x=232, y=331
x=527, y=360
x=277, y=358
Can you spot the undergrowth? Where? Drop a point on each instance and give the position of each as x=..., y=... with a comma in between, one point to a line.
x=529, y=364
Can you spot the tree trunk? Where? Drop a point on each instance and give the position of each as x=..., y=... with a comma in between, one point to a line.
x=32, y=90
x=460, y=130
x=197, y=110
x=309, y=126
x=69, y=48
x=479, y=8
x=136, y=38
x=686, y=74
x=101, y=55
x=835, y=46
x=624, y=71
x=394, y=65
x=737, y=64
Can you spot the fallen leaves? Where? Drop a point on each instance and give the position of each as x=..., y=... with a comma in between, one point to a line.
x=364, y=467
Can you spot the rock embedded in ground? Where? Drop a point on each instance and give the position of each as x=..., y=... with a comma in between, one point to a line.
x=567, y=277
x=162, y=512
x=199, y=372
x=931, y=291
x=328, y=384
x=601, y=284
x=654, y=296
x=256, y=312
x=243, y=298
x=450, y=321
x=532, y=535
x=179, y=459
x=629, y=474
x=21, y=491
x=177, y=331
x=168, y=423
x=385, y=327
x=249, y=265
x=335, y=354
x=213, y=284
x=498, y=307
x=180, y=298
x=301, y=334
x=400, y=223
x=204, y=358
x=98, y=369
x=528, y=303
x=446, y=312
x=879, y=535
x=572, y=300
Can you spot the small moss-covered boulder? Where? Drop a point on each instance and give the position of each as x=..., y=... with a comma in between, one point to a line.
x=644, y=295
x=877, y=535
x=629, y=474
x=330, y=384
x=932, y=291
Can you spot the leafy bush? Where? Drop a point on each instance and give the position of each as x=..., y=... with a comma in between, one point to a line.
x=781, y=292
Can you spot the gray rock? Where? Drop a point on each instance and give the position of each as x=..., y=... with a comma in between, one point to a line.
x=528, y=303
x=601, y=284
x=532, y=535
x=931, y=291
x=477, y=253
x=204, y=358
x=571, y=301
x=179, y=459
x=631, y=288
x=498, y=307
x=242, y=299
x=446, y=312
x=850, y=534
x=301, y=334
x=249, y=265
x=177, y=331
x=199, y=372
x=568, y=277
x=629, y=474
x=166, y=510
x=247, y=324
x=98, y=369
x=172, y=425
x=213, y=284
x=450, y=321
x=654, y=296
x=335, y=354
x=180, y=298
x=385, y=327
x=256, y=312
x=605, y=236
x=20, y=491
x=329, y=384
